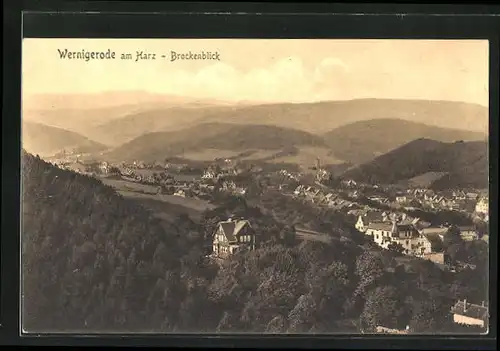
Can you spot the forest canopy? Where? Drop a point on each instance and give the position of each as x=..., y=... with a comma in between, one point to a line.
x=94, y=261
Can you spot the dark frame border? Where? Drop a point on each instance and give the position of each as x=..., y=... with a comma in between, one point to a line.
x=225, y=20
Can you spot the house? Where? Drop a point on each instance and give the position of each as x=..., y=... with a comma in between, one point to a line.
x=208, y=175
x=367, y=218
x=104, y=167
x=349, y=183
x=401, y=199
x=468, y=233
x=482, y=206
x=180, y=193
x=472, y=195
x=299, y=190
x=232, y=236
x=470, y=314
x=385, y=234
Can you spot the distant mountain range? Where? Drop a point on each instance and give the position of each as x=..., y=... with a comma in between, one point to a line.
x=83, y=114
x=47, y=141
x=461, y=164
x=116, y=118
x=361, y=141
x=108, y=99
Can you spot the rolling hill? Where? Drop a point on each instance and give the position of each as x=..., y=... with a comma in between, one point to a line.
x=215, y=136
x=465, y=164
x=362, y=141
x=47, y=141
x=315, y=118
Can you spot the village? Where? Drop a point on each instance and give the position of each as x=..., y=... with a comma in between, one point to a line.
x=390, y=216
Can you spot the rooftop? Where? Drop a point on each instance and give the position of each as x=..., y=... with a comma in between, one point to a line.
x=232, y=227
x=470, y=310
x=380, y=226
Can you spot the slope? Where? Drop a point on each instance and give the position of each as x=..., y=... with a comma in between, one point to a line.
x=362, y=141
x=466, y=164
x=220, y=136
x=84, y=243
x=45, y=140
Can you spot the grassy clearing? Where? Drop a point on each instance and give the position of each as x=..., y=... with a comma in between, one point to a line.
x=123, y=185
x=425, y=180
x=209, y=154
x=307, y=157
x=164, y=209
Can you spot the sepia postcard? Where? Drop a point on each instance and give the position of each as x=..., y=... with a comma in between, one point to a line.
x=229, y=186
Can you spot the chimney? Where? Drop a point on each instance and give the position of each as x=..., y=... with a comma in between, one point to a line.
x=465, y=305
x=483, y=304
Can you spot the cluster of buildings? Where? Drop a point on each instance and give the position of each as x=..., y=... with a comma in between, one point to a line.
x=414, y=236
x=457, y=200
x=89, y=168
x=322, y=198
x=210, y=173
x=231, y=187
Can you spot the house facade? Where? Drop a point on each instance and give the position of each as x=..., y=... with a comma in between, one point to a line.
x=468, y=233
x=369, y=217
x=406, y=235
x=482, y=206
x=232, y=236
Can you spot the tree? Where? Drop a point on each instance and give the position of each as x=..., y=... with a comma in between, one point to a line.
x=369, y=269
x=396, y=248
x=287, y=236
x=277, y=325
x=302, y=318
x=383, y=307
x=430, y=315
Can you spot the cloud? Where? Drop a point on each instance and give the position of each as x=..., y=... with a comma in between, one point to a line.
x=284, y=79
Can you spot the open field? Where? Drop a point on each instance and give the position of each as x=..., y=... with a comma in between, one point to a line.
x=307, y=157
x=169, y=206
x=209, y=154
x=123, y=185
x=425, y=180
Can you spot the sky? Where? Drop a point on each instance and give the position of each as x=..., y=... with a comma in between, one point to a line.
x=261, y=70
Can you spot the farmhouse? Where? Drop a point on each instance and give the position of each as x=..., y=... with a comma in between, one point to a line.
x=232, y=236
x=470, y=314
